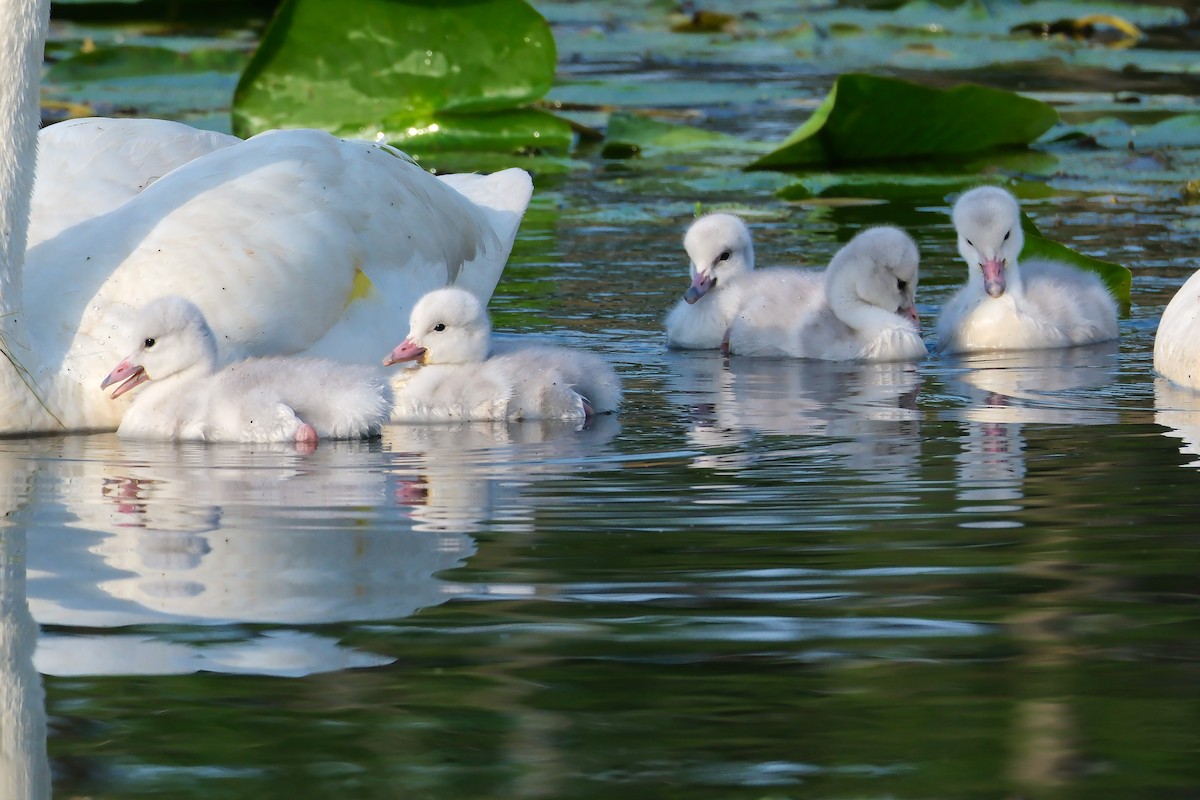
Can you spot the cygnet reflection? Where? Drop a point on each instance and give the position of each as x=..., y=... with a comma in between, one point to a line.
x=1036, y=386
x=1006, y=391
x=460, y=476
x=865, y=414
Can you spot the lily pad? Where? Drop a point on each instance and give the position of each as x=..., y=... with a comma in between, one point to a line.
x=110, y=63
x=637, y=134
x=868, y=118
x=457, y=73
x=144, y=80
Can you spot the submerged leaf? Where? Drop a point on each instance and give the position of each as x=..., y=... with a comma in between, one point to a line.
x=868, y=118
x=406, y=69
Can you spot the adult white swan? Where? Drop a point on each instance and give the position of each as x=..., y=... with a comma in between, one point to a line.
x=1176, y=355
x=292, y=241
x=1009, y=306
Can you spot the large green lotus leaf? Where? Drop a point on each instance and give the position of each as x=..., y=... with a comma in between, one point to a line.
x=510, y=130
x=637, y=134
x=868, y=118
x=357, y=67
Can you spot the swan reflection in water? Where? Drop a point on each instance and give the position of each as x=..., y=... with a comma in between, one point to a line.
x=864, y=414
x=1177, y=409
x=137, y=534
x=1003, y=393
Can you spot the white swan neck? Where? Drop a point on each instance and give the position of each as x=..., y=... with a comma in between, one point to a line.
x=22, y=44
x=842, y=295
x=23, y=26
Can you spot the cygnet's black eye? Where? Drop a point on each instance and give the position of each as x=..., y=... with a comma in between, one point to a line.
x=441, y=326
x=901, y=285
x=149, y=342
x=1007, y=235
x=725, y=254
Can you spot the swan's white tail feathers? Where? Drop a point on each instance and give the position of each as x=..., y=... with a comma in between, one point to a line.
x=351, y=402
x=503, y=198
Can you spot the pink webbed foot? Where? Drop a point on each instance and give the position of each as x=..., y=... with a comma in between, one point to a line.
x=306, y=438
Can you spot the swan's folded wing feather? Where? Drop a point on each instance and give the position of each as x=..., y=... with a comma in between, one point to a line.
x=88, y=167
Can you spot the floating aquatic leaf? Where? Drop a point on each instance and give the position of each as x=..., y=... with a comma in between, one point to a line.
x=868, y=118
x=142, y=80
x=635, y=134
x=1180, y=131
x=134, y=61
x=1107, y=29
x=458, y=73
x=704, y=22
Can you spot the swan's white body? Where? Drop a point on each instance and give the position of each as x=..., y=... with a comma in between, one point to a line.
x=1177, y=342
x=450, y=334
x=184, y=396
x=292, y=241
x=1009, y=306
x=861, y=308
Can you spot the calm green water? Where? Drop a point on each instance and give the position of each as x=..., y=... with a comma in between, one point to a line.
x=763, y=579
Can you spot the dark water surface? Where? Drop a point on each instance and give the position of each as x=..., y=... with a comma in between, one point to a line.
x=763, y=579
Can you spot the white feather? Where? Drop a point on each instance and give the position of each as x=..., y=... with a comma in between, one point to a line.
x=1177, y=342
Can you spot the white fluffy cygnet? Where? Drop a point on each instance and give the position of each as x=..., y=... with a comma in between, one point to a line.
x=721, y=254
x=184, y=396
x=461, y=378
x=1006, y=305
x=862, y=307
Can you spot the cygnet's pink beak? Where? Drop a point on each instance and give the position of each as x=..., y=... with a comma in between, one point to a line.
x=911, y=313
x=405, y=351
x=993, y=276
x=125, y=370
x=700, y=286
